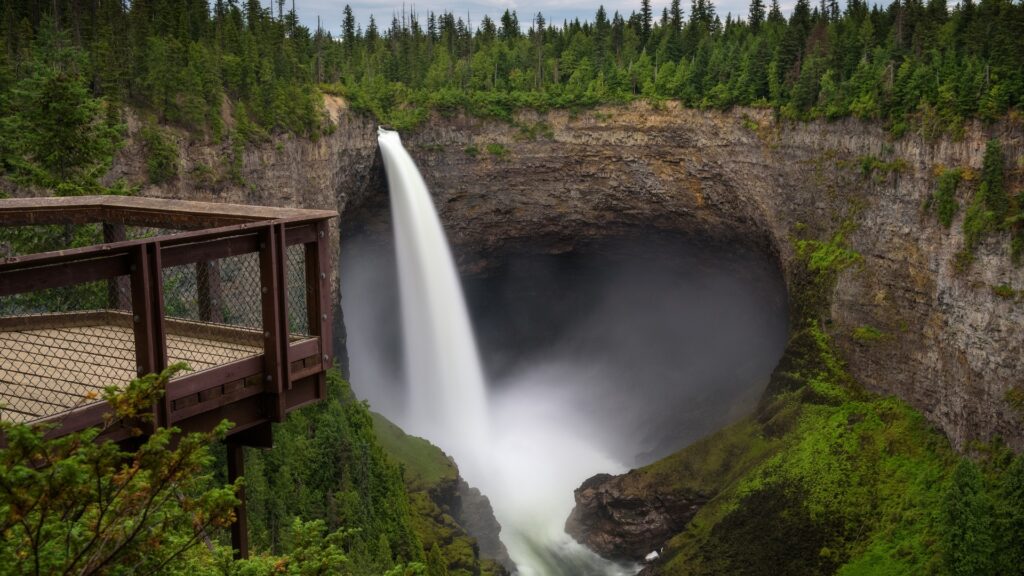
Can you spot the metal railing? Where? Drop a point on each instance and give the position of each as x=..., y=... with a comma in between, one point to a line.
x=241, y=294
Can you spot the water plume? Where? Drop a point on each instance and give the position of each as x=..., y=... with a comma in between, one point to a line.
x=447, y=402
x=525, y=461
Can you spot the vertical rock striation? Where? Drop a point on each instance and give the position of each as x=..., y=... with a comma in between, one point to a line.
x=952, y=346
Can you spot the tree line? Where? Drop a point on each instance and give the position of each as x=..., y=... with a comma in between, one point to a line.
x=239, y=70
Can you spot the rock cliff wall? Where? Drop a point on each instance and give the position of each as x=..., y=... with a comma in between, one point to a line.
x=952, y=346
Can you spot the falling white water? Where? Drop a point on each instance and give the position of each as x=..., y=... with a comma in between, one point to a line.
x=447, y=395
x=523, y=450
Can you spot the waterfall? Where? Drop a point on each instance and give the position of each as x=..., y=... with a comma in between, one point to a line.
x=447, y=397
x=523, y=451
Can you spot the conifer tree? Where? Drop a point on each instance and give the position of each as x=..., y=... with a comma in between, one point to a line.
x=755, y=16
x=646, y=16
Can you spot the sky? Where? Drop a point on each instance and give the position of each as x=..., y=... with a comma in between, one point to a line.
x=329, y=11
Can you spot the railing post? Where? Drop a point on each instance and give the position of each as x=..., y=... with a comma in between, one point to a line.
x=117, y=288
x=209, y=291
x=275, y=317
x=148, y=318
x=318, y=302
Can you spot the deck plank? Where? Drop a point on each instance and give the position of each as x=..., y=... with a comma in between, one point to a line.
x=51, y=370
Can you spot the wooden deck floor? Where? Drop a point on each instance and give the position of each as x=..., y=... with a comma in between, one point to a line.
x=49, y=371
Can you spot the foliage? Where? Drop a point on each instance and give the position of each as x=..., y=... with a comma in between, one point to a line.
x=1004, y=291
x=436, y=564
x=868, y=334
x=54, y=133
x=424, y=466
x=327, y=465
x=827, y=257
x=338, y=463
x=1015, y=398
x=969, y=539
x=826, y=478
x=75, y=505
x=873, y=167
x=429, y=476
x=161, y=154
x=922, y=68
x=497, y=150
x=990, y=206
x=313, y=550
x=944, y=198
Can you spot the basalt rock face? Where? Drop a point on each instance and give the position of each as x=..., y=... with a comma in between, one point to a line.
x=476, y=516
x=618, y=519
x=953, y=347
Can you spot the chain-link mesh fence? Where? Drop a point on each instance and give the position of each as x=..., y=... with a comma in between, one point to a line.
x=295, y=271
x=140, y=232
x=213, y=311
x=60, y=347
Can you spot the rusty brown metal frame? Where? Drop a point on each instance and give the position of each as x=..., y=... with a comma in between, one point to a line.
x=252, y=392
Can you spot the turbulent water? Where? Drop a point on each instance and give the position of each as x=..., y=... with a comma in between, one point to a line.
x=522, y=453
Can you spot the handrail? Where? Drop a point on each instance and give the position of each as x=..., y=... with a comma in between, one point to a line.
x=15, y=270
x=58, y=256
x=266, y=232
x=137, y=210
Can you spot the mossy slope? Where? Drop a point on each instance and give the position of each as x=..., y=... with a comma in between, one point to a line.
x=827, y=479
x=431, y=478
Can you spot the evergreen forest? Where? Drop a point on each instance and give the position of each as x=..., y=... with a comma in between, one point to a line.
x=241, y=70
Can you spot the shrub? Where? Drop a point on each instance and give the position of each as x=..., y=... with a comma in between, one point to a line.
x=76, y=505
x=967, y=515
x=944, y=197
x=868, y=334
x=1015, y=398
x=1004, y=291
x=496, y=149
x=872, y=166
x=161, y=154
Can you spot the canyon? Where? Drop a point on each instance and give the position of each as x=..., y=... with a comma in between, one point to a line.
x=950, y=343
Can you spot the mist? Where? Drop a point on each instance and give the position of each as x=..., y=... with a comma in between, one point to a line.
x=601, y=359
x=647, y=343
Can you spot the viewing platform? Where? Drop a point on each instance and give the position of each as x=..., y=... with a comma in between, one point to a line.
x=97, y=290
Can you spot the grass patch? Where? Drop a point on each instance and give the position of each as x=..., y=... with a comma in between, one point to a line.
x=497, y=150
x=1004, y=291
x=874, y=167
x=424, y=465
x=868, y=335
x=827, y=257
x=472, y=151
x=530, y=132
x=1015, y=398
x=203, y=176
